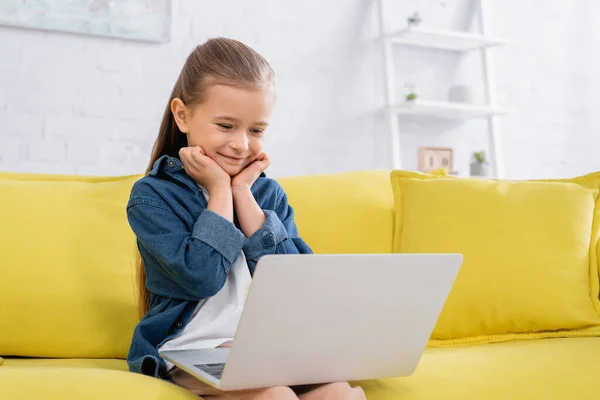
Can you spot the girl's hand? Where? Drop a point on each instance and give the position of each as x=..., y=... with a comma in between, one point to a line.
x=204, y=170
x=246, y=178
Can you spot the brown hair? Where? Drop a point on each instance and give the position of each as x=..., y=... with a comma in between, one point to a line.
x=218, y=61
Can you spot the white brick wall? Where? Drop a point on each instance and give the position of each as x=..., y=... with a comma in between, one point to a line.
x=89, y=105
x=46, y=150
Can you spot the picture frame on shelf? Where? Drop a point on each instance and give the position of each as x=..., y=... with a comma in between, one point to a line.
x=434, y=158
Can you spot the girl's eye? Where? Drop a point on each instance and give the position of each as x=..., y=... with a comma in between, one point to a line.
x=225, y=126
x=256, y=131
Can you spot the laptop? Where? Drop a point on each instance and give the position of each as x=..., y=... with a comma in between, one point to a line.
x=312, y=319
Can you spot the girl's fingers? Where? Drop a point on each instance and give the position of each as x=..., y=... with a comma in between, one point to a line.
x=188, y=162
x=259, y=166
x=265, y=161
x=184, y=155
x=196, y=155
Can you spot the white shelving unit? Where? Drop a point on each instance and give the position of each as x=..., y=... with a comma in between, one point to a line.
x=443, y=40
x=449, y=110
x=446, y=41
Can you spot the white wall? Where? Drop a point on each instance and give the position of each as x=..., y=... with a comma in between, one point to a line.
x=89, y=105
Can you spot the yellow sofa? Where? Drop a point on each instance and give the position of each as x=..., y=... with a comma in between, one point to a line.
x=68, y=306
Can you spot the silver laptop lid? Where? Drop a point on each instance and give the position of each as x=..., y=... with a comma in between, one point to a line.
x=327, y=318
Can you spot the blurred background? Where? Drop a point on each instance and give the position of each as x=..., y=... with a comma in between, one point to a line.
x=83, y=84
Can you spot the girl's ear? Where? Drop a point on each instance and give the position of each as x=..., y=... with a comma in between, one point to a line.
x=181, y=115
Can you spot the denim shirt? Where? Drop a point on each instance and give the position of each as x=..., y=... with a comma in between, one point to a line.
x=188, y=250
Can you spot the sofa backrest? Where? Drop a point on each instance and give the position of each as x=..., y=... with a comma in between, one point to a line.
x=67, y=258
x=67, y=264
x=349, y=212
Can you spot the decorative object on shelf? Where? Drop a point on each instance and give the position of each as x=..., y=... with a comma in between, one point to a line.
x=479, y=165
x=432, y=158
x=415, y=20
x=147, y=20
x=461, y=94
x=411, y=95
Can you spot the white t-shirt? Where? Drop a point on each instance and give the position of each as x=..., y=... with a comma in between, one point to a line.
x=215, y=319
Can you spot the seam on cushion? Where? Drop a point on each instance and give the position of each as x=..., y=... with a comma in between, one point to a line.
x=594, y=176
x=393, y=181
x=38, y=177
x=594, y=272
x=397, y=176
x=593, y=331
x=400, y=229
x=597, y=274
x=398, y=215
x=594, y=255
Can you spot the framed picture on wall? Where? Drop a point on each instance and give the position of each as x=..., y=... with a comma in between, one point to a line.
x=147, y=20
x=432, y=158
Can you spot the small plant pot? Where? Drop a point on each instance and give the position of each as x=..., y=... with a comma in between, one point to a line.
x=479, y=169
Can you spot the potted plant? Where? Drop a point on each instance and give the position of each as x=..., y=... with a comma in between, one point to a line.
x=411, y=95
x=479, y=165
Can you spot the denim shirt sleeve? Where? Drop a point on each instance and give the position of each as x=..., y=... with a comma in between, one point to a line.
x=278, y=235
x=183, y=263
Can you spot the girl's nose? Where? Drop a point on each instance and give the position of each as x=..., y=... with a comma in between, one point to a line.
x=239, y=142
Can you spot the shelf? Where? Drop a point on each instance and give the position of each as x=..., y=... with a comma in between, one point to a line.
x=450, y=110
x=446, y=40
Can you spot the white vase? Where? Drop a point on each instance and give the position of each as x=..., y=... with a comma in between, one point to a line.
x=479, y=169
x=461, y=94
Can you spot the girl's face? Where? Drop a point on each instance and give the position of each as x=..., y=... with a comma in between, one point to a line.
x=229, y=124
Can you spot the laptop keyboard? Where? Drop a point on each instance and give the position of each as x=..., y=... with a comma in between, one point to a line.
x=214, y=369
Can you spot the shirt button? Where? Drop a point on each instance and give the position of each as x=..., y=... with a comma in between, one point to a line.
x=178, y=325
x=171, y=163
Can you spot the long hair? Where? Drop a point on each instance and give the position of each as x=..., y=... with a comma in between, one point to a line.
x=219, y=61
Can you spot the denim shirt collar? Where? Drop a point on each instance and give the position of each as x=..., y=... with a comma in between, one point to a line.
x=167, y=164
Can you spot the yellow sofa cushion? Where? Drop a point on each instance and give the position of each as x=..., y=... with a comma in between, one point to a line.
x=554, y=369
x=67, y=285
x=551, y=369
x=101, y=363
x=343, y=213
x=64, y=383
x=530, y=263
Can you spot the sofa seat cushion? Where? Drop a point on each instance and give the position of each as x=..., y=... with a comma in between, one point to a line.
x=103, y=363
x=545, y=369
x=548, y=369
x=32, y=381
